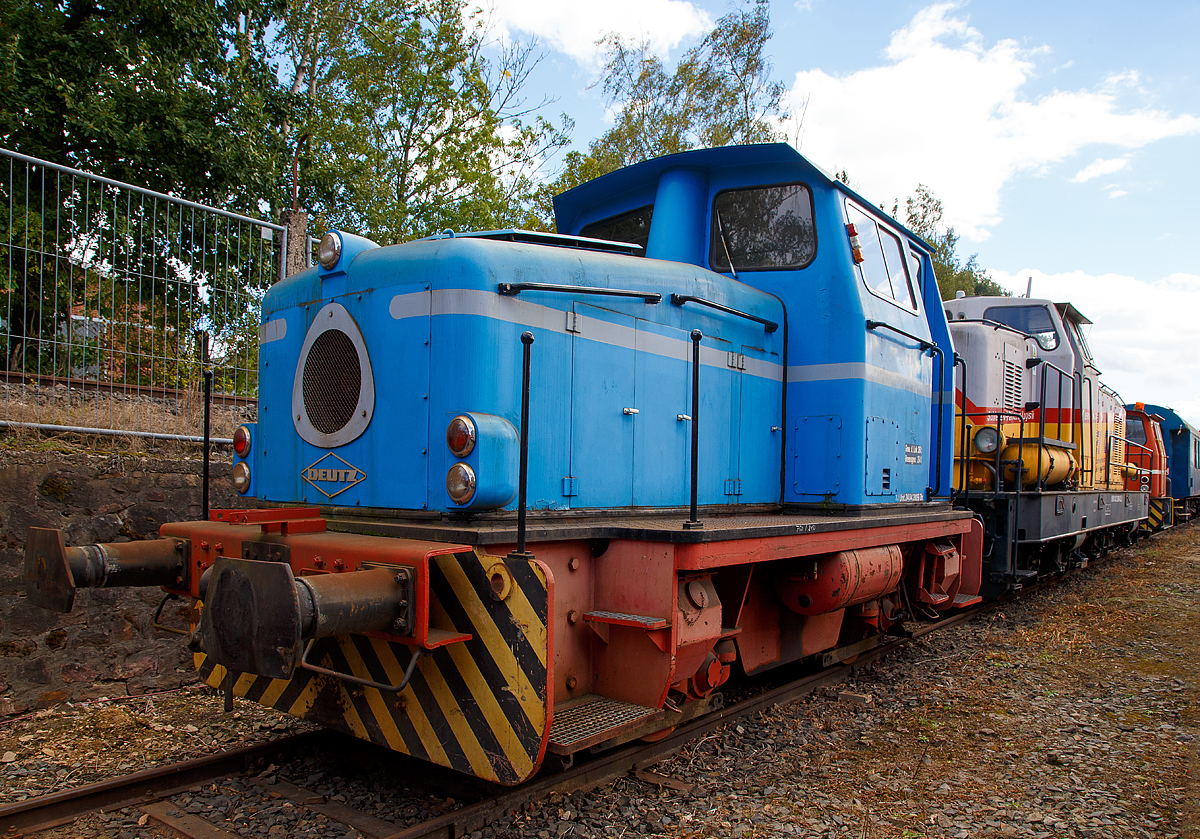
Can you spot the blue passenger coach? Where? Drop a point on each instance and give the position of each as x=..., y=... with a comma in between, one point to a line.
x=1183, y=441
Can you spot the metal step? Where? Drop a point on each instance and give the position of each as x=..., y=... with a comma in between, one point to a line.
x=593, y=719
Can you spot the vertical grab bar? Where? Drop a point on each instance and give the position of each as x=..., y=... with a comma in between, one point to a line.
x=963, y=460
x=937, y=485
x=520, y=552
x=694, y=522
x=208, y=380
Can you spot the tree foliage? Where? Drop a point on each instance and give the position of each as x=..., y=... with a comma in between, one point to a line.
x=173, y=95
x=720, y=93
x=413, y=128
x=923, y=215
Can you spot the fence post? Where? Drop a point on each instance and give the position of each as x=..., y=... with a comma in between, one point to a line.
x=296, y=259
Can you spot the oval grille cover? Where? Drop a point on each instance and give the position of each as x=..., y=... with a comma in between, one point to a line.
x=332, y=381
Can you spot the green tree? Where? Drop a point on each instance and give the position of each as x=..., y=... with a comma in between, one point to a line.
x=721, y=93
x=413, y=129
x=177, y=95
x=923, y=215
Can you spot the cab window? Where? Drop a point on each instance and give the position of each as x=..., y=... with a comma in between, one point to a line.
x=883, y=269
x=1082, y=341
x=914, y=266
x=762, y=228
x=1034, y=321
x=1136, y=432
x=632, y=227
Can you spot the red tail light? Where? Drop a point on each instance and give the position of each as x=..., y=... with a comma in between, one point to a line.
x=241, y=441
x=460, y=435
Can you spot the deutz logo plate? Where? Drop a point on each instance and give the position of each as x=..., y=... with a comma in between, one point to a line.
x=330, y=475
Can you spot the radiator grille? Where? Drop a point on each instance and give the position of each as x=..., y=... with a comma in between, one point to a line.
x=1012, y=386
x=332, y=381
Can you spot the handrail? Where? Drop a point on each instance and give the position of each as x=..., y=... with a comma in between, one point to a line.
x=963, y=473
x=1091, y=421
x=931, y=492
x=513, y=289
x=995, y=324
x=1146, y=452
x=1042, y=404
x=1018, y=465
x=417, y=652
x=693, y=521
x=680, y=299
x=1108, y=455
x=997, y=413
x=879, y=324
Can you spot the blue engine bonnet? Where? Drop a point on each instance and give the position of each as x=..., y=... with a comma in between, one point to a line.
x=610, y=394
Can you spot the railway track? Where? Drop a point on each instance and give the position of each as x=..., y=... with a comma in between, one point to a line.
x=153, y=792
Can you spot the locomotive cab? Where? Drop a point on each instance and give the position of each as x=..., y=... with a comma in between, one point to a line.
x=1150, y=465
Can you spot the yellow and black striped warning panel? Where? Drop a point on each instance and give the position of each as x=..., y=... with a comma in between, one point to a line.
x=1161, y=514
x=481, y=706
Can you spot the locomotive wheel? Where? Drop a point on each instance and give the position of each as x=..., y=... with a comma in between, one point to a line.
x=657, y=735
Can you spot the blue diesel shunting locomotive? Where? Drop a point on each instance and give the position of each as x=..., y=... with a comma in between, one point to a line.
x=791, y=278
x=401, y=603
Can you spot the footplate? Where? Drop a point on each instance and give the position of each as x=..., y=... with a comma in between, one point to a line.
x=594, y=719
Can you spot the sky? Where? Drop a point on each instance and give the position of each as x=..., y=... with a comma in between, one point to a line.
x=1063, y=138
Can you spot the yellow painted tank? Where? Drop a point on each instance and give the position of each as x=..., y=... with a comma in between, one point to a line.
x=1041, y=462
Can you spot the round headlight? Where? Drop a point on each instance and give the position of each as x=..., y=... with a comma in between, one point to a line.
x=460, y=436
x=460, y=483
x=987, y=440
x=241, y=441
x=241, y=476
x=330, y=250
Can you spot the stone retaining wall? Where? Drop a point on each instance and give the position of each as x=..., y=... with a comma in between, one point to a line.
x=106, y=646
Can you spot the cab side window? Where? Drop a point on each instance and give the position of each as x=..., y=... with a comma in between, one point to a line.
x=884, y=268
x=762, y=228
x=632, y=227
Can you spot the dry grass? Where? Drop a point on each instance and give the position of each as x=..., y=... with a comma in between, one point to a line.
x=59, y=405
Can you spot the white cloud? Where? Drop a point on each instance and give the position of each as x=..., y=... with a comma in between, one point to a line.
x=1142, y=333
x=1117, y=193
x=1099, y=167
x=878, y=123
x=574, y=28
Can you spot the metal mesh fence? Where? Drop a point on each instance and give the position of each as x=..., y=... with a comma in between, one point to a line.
x=115, y=299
